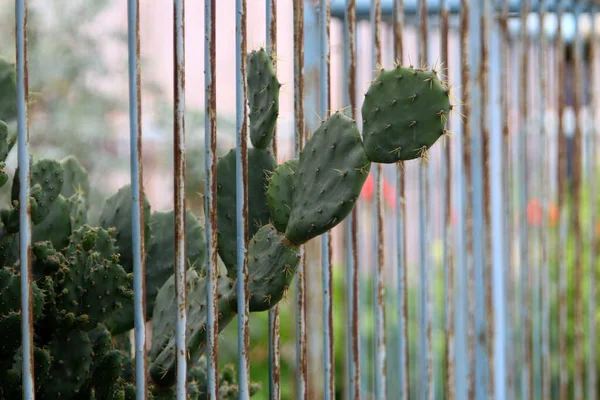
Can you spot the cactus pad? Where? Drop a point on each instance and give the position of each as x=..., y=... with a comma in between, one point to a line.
x=332, y=169
x=162, y=354
x=8, y=91
x=76, y=178
x=404, y=114
x=56, y=226
x=116, y=213
x=49, y=174
x=280, y=193
x=272, y=263
x=71, y=365
x=263, y=98
x=160, y=260
x=260, y=165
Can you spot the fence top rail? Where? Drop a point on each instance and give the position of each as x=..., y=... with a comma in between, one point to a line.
x=338, y=7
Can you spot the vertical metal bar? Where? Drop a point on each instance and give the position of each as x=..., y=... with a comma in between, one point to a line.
x=210, y=195
x=545, y=195
x=527, y=376
x=378, y=262
x=274, y=342
x=301, y=337
x=137, y=190
x=328, y=358
x=179, y=150
x=448, y=364
x=505, y=57
x=536, y=193
x=475, y=88
x=402, y=296
x=426, y=355
x=352, y=294
x=577, y=153
x=563, y=209
x=24, y=206
x=498, y=390
x=592, y=301
x=241, y=181
x=462, y=372
x=486, y=311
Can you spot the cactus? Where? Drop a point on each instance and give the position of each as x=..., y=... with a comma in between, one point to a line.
x=280, y=193
x=331, y=171
x=404, y=114
x=260, y=164
x=263, y=98
x=82, y=289
x=8, y=91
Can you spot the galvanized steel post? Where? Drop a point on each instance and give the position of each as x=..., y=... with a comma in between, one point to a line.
x=24, y=212
x=137, y=190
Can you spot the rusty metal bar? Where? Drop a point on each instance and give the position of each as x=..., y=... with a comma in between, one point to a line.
x=210, y=196
x=301, y=336
x=475, y=97
x=425, y=320
x=273, y=313
x=241, y=180
x=521, y=164
x=563, y=212
x=137, y=190
x=352, y=292
x=379, y=351
x=498, y=387
x=593, y=237
x=324, y=85
x=462, y=372
x=578, y=76
x=401, y=269
x=446, y=200
x=25, y=207
x=180, y=200
x=506, y=150
x=544, y=274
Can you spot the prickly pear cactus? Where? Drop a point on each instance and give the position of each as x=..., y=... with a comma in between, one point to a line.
x=280, y=193
x=260, y=165
x=116, y=213
x=160, y=261
x=263, y=98
x=162, y=354
x=332, y=169
x=4, y=148
x=404, y=114
x=8, y=91
x=75, y=178
x=272, y=263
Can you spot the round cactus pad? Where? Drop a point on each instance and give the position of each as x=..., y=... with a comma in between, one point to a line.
x=332, y=169
x=404, y=113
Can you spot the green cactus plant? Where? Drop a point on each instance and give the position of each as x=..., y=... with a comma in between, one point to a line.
x=83, y=306
x=404, y=113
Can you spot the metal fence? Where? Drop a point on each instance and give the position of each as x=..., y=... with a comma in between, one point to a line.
x=509, y=308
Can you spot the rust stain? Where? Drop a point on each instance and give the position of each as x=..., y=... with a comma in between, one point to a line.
x=523, y=119
x=274, y=312
x=561, y=175
x=273, y=50
x=483, y=78
x=301, y=344
x=141, y=182
x=211, y=105
x=465, y=72
x=576, y=221
x=28, y=202
x=449, y=329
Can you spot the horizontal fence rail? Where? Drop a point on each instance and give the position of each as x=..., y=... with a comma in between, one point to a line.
x=470, y=271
